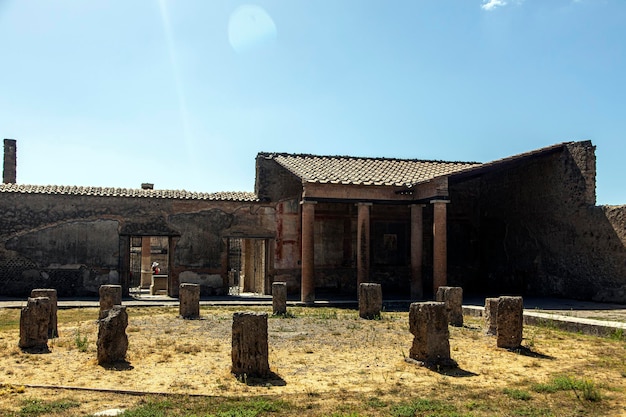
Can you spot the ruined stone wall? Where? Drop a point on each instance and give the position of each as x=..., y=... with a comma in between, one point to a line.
x=537, y=230
x=75, y=243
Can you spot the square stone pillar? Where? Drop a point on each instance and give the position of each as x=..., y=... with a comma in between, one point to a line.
x=189, y=301
x=307, y=288
x=452, y=297
x=363, y=243
x=249, y=345
x=510, y=321
x=34, y=319
x=428, y=322
x=110, y=295
x=52, y=295
x=279, y=298
x=370, y=300
x=417, y=251
x=112, y=343
x=440, y=244
x=491, y=316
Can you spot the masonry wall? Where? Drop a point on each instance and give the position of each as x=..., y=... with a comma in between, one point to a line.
x=275, y=183
x=534, y=229
x=76, y=243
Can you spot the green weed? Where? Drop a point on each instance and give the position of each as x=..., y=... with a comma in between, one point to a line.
x=249, y=408
x=531, y=411
x=35, y=407
x=584, y=389
x=517, y=394
x=151, y=408
x=80, y=341
x=434, y=407
x=375, y=402
x=617, y=334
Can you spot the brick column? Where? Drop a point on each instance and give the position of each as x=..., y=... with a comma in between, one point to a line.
x=308, y=252
x=440, y=248
x=363, y=244
x=417, y=249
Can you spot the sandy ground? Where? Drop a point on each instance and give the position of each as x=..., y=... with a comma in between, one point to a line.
x=316, y=352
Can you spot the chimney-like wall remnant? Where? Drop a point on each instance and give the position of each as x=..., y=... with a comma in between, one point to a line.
x=9, y=174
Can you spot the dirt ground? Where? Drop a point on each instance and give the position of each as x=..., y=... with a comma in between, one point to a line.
x=315, y=353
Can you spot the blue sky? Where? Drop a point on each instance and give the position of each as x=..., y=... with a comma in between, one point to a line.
x=184, y=94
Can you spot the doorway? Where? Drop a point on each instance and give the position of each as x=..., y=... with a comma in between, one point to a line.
x=248, y=266
x=149, y=265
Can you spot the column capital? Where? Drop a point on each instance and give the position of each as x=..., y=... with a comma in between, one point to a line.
x=364, y=203
x=441, y=200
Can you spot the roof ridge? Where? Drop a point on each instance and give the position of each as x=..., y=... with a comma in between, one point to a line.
x=352, y=157
x=104, y=191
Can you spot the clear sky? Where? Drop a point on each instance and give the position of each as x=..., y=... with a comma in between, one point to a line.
x=185, y=93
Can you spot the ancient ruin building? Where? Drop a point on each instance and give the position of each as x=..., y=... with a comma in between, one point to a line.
x=526, y=225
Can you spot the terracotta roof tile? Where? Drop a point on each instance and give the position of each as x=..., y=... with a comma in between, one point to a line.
x=365, y=171
x=126, y=192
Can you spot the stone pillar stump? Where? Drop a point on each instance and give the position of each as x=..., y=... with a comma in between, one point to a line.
x=428, y=322
x=370, y=300
x=279, y=298
x=510, y=321
x=250, y=346
x=53, y=330
x=452, y=297
x=34, y=324
x=491, y=316
x=112, y=339
x=110, y=295
x=189, y=297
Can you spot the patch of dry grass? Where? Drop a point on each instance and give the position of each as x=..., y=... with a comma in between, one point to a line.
x=330, y=362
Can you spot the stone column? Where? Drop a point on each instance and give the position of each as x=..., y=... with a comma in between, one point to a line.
x=452, y=297
x=112, y=341
x=370, y=300
x=110, y=295
x=189, y=301
x=417, y=250
x=34, y=319
x=510, y=321
x=279, y=298
x=440, y=247
x=363, y=243
x=50, y=293
x=428, y=322
x=491, y=316
x=308, y=252
x=146, y=262
x=249, y=345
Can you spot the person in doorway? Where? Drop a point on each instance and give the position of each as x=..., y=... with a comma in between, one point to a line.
x=155, y=268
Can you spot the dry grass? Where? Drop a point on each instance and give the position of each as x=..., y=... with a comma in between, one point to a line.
x=329, y=362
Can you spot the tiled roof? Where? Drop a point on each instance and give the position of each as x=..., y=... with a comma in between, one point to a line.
x=365, y=171
x=126, y=192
